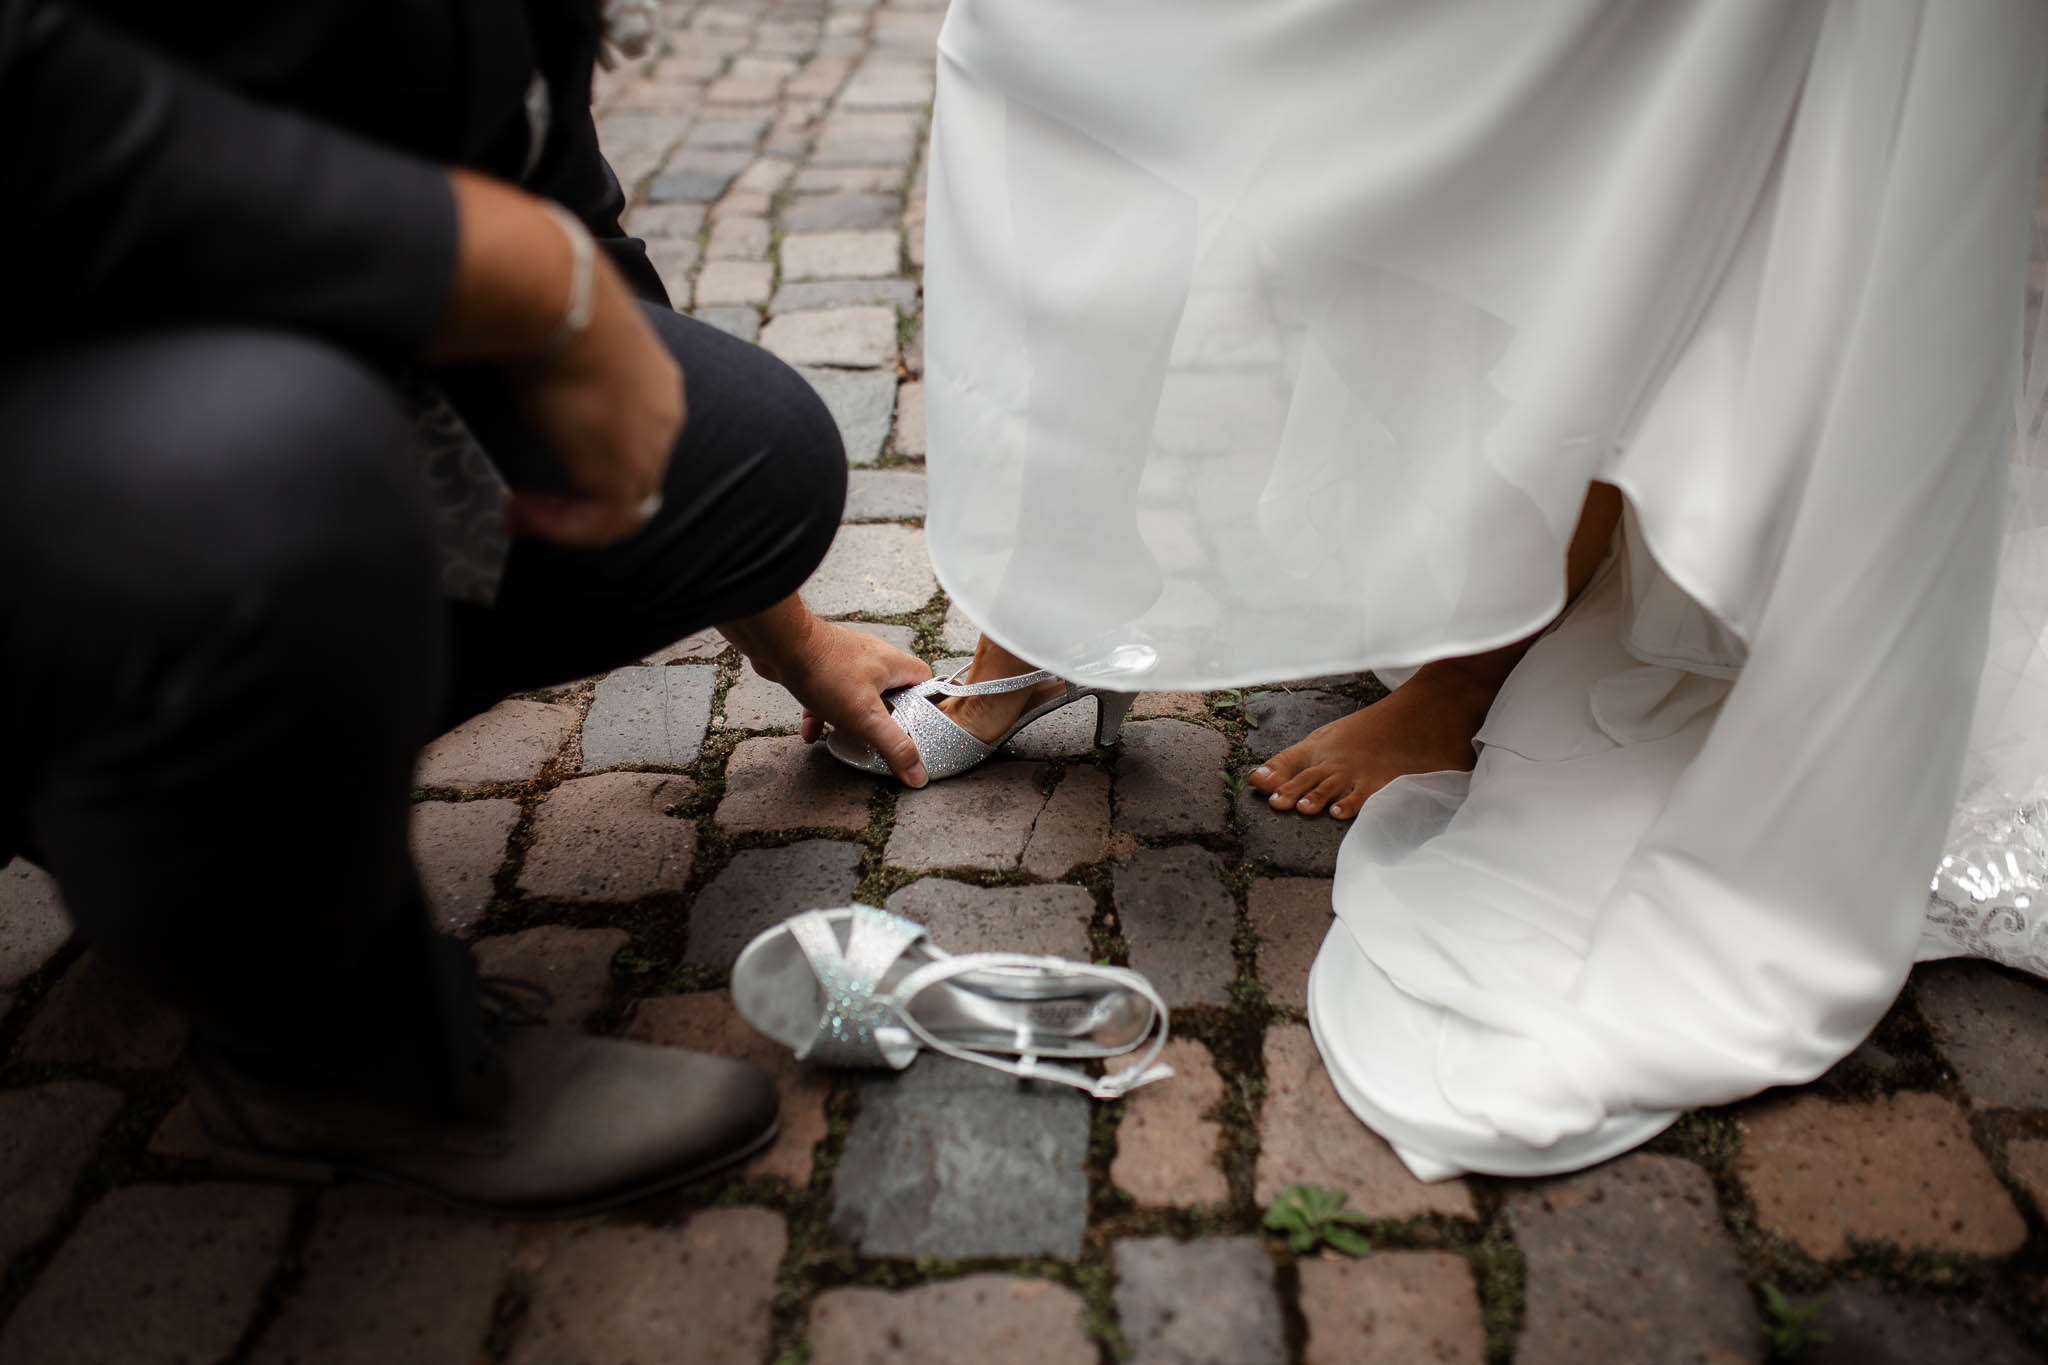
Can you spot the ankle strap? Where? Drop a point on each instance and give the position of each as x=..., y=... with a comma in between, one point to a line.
x=946, y=687
x=1028, y=1067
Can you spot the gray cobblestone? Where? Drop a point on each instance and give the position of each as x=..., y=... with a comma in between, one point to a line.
x=950, y=1159
x=732, y=319
x=800, y=295
x=1170, y=779
x=780, y=782
x=842, y=212
x=1279, y=719
x=763, y=887
x=884, y=495
x=1206, y=1302
x=1179, y=921
x=1289, y=841
x=652, y=716
x=734, y=282
x=1000, y=919
x=33, y=925
x=840, y=255
x=861, y=403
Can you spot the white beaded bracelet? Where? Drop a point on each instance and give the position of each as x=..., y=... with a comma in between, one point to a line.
x=582, y=280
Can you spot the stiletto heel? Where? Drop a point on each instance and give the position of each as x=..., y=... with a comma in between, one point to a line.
x=1111, y=708
x=948, y=750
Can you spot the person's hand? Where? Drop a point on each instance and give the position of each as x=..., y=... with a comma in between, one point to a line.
x=609, y=403
x=838, y=675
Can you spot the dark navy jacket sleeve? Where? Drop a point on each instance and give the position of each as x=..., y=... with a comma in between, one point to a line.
x=137, y=192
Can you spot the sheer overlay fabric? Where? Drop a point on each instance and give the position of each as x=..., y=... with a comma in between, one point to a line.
x=1276, y=340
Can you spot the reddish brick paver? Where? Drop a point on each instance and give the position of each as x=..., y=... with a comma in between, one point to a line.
x=93, y=1015
x=459, y=846
x=700, y=1292
x=390, y=1281
x=1393, y=1308
x=1630, y=1262
x=511, y=742
x=988, y=1319
x=33, y=925
x=1178, y=918
x=1170, y=779
x=612, y=837
x=780, y=782
x=155, y=1275
x=1902, y=1170
x=46, y=1135
x=1290, y=915
x=1307, y=1136
x=1169, y=1143
x=999, y=919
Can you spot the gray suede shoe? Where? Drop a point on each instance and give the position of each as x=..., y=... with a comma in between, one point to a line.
x=579, y=1124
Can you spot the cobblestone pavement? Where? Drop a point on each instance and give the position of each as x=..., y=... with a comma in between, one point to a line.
x=620, y=838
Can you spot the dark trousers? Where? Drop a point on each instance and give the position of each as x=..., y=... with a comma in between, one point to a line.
x=224, y=644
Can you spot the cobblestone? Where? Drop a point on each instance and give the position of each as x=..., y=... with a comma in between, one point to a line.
x=731, y=281
x=959, y=635
x=851, y=337
x=1206, y=1302
x=1308, y=1136
x=1170, y=779
x=390, y=1280
x=612, y=837
x=910, y=420
x=754, y=703
x=1169, y=1142
x=673, y=259
x=652, y=716
x=1287, y=841
x=93, y=1015
x=2027, y=1160
x=765, y=886
x=1593, y=1295
x=511, y=742
x=705, y=644
x=731, y=319
x=1902, y=1169
x=707, y=1022
x=459, y=847
x=878, y=569
x=1993, y=1029
x=884, y=495
x=47, y=1134
x=1279, y=719
x=780, y=782
x=950, y=1159
x=700, y=1293
x=574, y=965
x=800, y=295
x=1291, y=916
x=1396, y=1308
x=995, y=1319
x=982, y=819
x=682, y=221
x=33, y=925
x=860, y=404
x=1179, y=920
x=1073, y=829
x=852, y=211
x=812, y=180
x=1869, y=1327
x=839, y=255
x=999, y=919
x=156, y=1275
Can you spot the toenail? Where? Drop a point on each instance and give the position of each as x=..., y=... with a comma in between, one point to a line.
x=1302, y=804
x=1262, y=772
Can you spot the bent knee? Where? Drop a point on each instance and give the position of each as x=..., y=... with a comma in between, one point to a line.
x=218, y=458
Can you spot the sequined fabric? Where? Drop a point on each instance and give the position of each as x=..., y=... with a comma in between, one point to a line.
x=857, y=1026
x=1989, y=884
x=947, y=750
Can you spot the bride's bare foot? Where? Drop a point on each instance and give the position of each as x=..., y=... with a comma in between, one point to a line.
x=1426, y=726
x=989, y=718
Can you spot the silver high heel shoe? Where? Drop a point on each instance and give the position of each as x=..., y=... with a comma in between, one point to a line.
x=948, y=750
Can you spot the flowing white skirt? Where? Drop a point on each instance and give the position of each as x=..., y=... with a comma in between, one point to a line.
x=1268, y=340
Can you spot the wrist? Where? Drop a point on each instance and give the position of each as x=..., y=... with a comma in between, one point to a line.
x=776, y=640
x=517, y=274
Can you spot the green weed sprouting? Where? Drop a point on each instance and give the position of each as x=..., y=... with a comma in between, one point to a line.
x=1311, y=1215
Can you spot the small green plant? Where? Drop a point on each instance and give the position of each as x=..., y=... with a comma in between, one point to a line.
x=1225, y=701
x=1789, y=1330
x=1251, y=717
x=1310, y=1214
x=1235, y=782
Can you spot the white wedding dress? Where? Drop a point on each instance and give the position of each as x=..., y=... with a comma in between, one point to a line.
x=1268, y=340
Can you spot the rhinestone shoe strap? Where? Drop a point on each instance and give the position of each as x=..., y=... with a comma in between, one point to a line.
x=856, y=1025
x=946, y=687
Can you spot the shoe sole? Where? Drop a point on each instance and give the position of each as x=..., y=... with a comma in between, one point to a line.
x=248, y=1163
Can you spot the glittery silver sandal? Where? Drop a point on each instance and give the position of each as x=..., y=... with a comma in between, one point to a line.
x=859, y=987
x=948, y=750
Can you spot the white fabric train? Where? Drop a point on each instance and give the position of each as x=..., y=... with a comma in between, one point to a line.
x=1275, y=340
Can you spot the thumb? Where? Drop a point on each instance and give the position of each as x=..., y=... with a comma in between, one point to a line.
x=879, y=729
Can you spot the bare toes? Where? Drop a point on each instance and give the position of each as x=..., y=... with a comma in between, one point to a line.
x=1320, y=795
x=1280, y=768
x=1300, y=785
